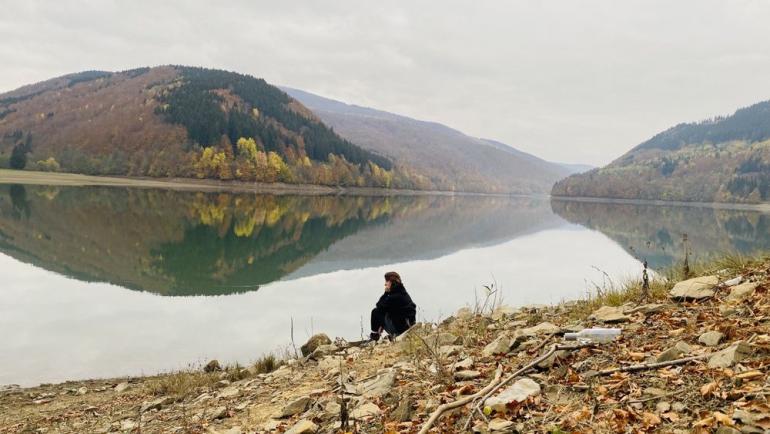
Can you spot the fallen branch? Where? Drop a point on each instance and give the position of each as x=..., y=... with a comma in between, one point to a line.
x=460, y=402
x=648, y=366
x=532, y=364
x=542, y=344
x=643, y=400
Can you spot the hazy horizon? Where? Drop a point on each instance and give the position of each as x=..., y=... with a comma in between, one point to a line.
x=569, y=82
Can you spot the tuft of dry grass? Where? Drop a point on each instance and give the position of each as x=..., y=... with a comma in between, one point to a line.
x=181, y=384
x=267, y=364
x=730, y=263
x=191, y=381
x=610, y=293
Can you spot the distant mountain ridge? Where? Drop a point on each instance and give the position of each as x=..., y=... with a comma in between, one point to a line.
x=724, y=159
x=449, y=158
x=179, y=121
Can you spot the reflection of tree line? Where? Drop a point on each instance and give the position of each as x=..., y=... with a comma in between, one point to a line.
x=654, y=232
x=237, y=242
x=181, y=242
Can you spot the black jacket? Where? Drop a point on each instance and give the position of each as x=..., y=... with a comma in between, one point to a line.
x=399, y=307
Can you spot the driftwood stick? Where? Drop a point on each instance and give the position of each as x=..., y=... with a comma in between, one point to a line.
x=532, y=364
x=648, y=366
x=555, y=347
x=460, y=402
x=542, y=344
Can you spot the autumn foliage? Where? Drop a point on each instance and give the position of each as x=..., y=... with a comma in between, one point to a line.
x=183, y=122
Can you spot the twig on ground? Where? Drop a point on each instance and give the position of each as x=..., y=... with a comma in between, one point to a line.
x=530, y=365
x=648, y=366
x=533, y=363
x=460, y=402
x=296, y=356
x=440, y=368
x=542, y=344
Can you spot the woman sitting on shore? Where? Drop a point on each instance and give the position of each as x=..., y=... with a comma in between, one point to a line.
x=395, y=311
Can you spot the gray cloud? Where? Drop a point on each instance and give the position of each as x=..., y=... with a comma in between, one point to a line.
x=569, y=81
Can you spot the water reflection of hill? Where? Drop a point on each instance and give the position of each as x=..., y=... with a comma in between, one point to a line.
x=186, y=243
x=654, y=232
x=459, y=223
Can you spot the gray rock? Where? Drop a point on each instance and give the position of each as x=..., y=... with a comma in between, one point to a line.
x=502, y=312
x=662, y=406
x=730, y=356
x=449, y=350
x=332, y=409
x=711, y=339
x=323, y=350
x=155, y=404
x=467, y=375
x=727, y=310
x=212, y=366
x=500, y=425
x=271, y=425
x=441, y=339
x=329, y=363
x=501, y=345
x=219, y=413
x=365, y=410
x=82, y=391
x=678, y=407
x=549, y=362
x=121, y=387
x=674, y=352
x=698, y=288
x=229, y=392
x=416, y=329
x=378, y=386
x=303, y=426
x=540, y=329
x=645, y=309
x=741, y=292
x=404, y=410
x=295, y=407
x=518, y=392
x=314, y=342
x=610, y=315
x=127, y=425
x=465, y=363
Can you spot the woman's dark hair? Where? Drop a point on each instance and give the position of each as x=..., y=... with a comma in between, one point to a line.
x=395, y=281
x=392, y=276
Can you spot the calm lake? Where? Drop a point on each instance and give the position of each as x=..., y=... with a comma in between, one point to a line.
x=106, y=281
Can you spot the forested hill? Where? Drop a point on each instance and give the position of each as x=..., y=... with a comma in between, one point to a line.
x=176, y=121
x=450, y=159
x=724, y=159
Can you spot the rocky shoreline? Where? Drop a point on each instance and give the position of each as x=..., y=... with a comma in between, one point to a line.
x=693, y=356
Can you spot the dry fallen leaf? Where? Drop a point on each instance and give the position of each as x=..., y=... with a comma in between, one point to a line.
x=650, y=419
x=708, y=389
x=671, y=416
x=750, y=374
x=705, y=422
x=636, y=356
x=723, y=418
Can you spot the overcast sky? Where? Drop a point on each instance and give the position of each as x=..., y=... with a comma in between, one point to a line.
x=575, y=81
